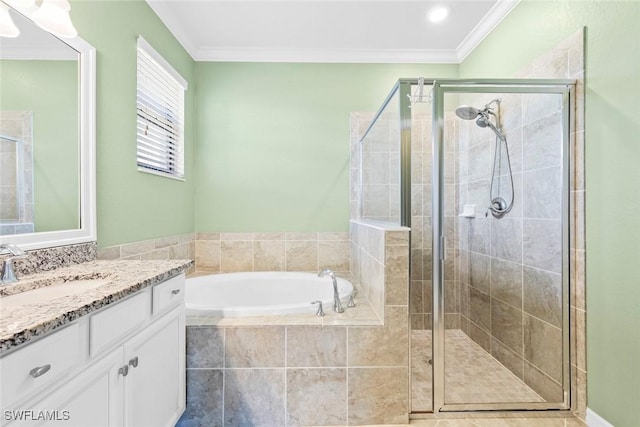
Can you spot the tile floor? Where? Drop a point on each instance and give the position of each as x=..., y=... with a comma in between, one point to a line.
x=495, y=422
x=471, y=374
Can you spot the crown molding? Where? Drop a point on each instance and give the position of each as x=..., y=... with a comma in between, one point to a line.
x=393, y=56
x=248, y=54
x=495, y=15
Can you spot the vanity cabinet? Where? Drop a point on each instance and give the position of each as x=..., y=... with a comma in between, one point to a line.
x=154, y=387
x=131, y=370
x=89, y=400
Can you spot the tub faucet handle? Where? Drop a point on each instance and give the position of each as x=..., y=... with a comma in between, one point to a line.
x=351, y=304
x=320, y=311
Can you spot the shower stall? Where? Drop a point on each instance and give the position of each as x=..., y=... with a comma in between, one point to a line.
x=479, y=171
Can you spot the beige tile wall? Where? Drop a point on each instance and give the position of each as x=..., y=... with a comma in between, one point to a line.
x=180, y=246
x=379, y=167
x=380, y=262
x=236, y=252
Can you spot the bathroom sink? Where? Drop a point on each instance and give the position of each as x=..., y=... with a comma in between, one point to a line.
x=51, y=292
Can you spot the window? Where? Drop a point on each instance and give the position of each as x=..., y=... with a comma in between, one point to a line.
x=160, y=123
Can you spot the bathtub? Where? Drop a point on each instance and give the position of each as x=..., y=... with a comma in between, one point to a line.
x=261, y=293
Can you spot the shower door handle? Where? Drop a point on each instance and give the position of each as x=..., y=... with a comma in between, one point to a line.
x=443, y=251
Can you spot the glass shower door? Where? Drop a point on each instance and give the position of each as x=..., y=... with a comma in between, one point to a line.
x=500, y=275
x=421, y=319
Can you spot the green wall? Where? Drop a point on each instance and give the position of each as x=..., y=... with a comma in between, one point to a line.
x=612, y=135
x=55, y=135
x=133, y=205
x=273, y=141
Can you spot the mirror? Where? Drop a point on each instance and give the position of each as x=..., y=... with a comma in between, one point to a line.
x=47, y=178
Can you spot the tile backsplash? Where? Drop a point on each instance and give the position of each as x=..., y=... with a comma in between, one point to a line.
x=179, y=246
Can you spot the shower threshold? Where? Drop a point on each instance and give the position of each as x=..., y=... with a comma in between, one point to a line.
x=472, y=375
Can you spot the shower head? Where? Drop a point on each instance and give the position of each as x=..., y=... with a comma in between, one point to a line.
x=483, y=121
x=467, y=113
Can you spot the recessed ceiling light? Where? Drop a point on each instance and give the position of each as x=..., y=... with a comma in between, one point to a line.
x=438, y=14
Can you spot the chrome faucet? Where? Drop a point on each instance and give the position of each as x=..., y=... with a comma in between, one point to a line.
x=337, y=306
x=8, y=273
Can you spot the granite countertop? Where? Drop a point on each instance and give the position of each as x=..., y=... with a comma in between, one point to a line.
x=20, y=324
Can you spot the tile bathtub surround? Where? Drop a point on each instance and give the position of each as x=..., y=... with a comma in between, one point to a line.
x=310, y=375
x=48, y=259
x=285, y=251
x=380, y=262
x=330, y=372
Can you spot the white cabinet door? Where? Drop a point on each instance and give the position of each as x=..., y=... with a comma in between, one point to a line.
x=154, y=388
x=91, y=399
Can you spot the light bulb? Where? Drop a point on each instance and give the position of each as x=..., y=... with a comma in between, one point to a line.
x=53, y=16
x=7, y=27
x=438, y=13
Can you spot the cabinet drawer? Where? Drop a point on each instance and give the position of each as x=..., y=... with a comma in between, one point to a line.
x=118, y=320
x=168, y=294
x=40, y=364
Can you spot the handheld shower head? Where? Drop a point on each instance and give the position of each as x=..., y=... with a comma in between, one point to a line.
x=467, y=113
x=482, y=121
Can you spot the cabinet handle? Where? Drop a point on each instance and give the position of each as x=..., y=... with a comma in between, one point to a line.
x=124, y=370
x=175, y=291
x=134, y=362
x=39, y=371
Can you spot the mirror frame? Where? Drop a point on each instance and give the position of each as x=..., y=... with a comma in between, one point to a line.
x=87, y=142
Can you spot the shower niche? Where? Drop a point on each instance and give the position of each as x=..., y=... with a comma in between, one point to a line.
x=479, y=170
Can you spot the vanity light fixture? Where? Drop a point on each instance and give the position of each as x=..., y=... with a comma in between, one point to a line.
x=7, y=27
x=438, y=14
x=50, y=15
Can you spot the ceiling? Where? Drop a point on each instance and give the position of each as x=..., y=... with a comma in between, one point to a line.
x=329, y=30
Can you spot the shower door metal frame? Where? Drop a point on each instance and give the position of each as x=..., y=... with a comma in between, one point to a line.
x=566, y=89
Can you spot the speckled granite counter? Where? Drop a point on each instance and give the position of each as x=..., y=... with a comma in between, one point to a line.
x=20, y=324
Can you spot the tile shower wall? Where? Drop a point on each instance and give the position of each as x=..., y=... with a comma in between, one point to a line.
x=510, y=268
x=380, y=168
x=421, y=233
x=16, y=180
x=308, y=375
x=379, y=199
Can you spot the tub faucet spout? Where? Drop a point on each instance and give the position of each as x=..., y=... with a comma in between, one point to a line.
x=337, y=306
x=8, y=273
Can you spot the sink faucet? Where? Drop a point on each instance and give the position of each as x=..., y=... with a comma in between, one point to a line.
x=8, y=273
x=337, y=307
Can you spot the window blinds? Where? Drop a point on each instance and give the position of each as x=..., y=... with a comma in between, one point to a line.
x=160, y=121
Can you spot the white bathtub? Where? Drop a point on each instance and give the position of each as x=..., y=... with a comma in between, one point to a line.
x=261, y=293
